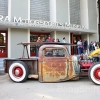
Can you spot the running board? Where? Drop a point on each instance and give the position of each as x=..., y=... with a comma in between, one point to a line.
x=33, y=76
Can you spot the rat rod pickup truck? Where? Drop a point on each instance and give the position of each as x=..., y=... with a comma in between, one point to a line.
x=54, y=64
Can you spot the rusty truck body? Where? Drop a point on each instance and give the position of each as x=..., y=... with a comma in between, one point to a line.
x=54, y=64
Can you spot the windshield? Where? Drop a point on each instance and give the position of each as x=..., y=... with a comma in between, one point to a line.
x=54, y=51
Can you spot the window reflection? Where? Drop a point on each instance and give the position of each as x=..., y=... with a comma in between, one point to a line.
x=2, y=42
x=1, y=39
x=54, y=52
x=4, y=36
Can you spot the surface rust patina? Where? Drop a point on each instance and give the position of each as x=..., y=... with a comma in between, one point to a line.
x=53, y=69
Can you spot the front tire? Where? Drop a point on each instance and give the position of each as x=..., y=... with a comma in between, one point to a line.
x=94, y=73
x=18, y=71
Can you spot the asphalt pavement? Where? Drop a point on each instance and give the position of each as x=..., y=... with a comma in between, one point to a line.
x=31, y=89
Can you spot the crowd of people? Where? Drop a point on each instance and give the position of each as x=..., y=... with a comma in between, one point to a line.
x=49, y=39
x=82, y=46
x=93, y=46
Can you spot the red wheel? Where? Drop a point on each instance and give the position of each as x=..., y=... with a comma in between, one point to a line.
x=97, y=73
x=94, y=73
x=18, y=71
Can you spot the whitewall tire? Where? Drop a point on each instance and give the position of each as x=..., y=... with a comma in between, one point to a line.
x=94, y=73
x=18, y=71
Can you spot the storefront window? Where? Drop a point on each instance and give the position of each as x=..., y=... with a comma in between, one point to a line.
x=3, y=45
x=33, y=38
x=1, y=38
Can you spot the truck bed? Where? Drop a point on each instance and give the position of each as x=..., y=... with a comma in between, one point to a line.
x=31, y=62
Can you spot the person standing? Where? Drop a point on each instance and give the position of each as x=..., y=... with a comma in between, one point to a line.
x=38, y=40
x=82, y=49
x=79, y=43
x=85, y=44
x=37, y=46
x=95, y=45
x=91, y=47
x=43, y=39
x=64, y=40
x=49, y=39
x=58, y=40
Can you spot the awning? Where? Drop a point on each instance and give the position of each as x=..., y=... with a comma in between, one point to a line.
x=44, y=28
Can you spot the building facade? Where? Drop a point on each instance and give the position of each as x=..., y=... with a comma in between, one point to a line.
x=25, y=20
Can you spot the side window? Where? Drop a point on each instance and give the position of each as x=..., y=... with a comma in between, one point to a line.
x=54, y=52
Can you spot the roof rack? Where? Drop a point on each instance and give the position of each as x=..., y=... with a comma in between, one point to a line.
x=25, y=44
x=41, y=43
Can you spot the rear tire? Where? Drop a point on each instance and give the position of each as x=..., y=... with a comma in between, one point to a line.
x=94, y=73
x=18, y=71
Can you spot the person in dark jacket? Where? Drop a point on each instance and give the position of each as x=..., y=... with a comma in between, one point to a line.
x=37, y=46
x=91, y=47
x=85, y=43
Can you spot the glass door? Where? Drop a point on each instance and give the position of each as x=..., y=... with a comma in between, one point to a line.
x=3, y=44
x=74, y=40
x=33, y=38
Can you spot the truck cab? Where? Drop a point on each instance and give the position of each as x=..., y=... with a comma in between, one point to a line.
x=56, y=64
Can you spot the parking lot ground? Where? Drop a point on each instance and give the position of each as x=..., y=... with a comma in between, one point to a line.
x=82, y=89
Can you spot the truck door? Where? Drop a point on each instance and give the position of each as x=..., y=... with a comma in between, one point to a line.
x=54, y=67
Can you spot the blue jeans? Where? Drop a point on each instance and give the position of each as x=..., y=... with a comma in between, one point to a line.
x=79, y=51
x=37, y=52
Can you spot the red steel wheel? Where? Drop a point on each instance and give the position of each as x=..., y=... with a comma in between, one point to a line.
x=18, y=71
x=97, y=73
x=94, y=73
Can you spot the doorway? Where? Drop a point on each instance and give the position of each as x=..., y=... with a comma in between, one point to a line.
x=33, y=38
x=74, y=40
x=3, y=44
